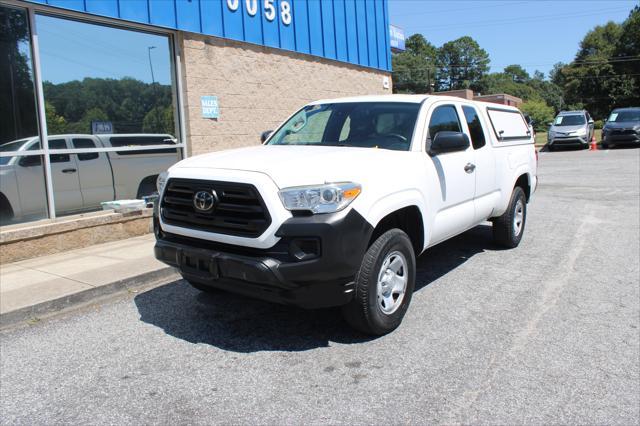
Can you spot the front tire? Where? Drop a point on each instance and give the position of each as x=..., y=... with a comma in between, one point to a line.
x=508, y=228
x=384, y=285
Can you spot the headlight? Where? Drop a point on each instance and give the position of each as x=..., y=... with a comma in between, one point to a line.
x=161, y=181
x=327, y=198
x=581, y=132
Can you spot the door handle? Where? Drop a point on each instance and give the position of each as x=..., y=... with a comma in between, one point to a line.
x=469, y=168
x=69, y=171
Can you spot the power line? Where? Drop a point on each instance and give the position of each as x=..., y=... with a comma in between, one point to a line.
x=523, y=19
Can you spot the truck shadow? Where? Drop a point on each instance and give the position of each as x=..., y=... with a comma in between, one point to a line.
x=240, y=324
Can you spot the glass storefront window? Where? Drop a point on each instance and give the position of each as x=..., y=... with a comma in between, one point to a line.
x=106, y=87
x=22, y=184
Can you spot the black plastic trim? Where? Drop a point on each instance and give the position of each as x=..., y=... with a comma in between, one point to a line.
x=275, y=274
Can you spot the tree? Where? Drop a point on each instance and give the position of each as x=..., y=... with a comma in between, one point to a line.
x=159, y=120
x=56, y=124
x=540, y=113
x=414, y=70
x=517, y=73
x=461, y=63
x=627, y=60
x=591, y=79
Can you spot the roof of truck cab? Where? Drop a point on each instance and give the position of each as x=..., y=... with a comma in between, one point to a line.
x=416, y=99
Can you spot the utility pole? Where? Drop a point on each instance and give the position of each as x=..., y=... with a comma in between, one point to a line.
x=153, y=80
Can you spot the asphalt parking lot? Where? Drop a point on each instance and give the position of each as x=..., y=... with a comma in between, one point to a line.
x=546, y=333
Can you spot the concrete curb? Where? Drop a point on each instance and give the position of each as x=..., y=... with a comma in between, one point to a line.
x=86, y=297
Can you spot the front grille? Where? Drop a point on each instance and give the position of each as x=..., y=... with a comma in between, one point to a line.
x=239, y=210
x=628, y=132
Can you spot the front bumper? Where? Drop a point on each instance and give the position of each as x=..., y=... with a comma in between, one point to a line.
x=313, y=265
x=569, y=141
x=621, y=139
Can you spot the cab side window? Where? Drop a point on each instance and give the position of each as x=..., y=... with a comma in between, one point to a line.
x=85, y=143
x=58, y=144
x=444, y=118
x=475, y=127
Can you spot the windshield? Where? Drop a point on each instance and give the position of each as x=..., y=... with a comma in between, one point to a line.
x=570, y=120
x=386, y=125
x=13, y=146
x=623, y=116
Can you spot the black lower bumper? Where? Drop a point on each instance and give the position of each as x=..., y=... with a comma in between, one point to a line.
x=569, y=141
x=312, y=266
x=626, y=139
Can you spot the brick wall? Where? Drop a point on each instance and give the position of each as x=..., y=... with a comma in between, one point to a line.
x=257, y=88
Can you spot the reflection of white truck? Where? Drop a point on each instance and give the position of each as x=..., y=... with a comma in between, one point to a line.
x=335, y=206
x=81, y=181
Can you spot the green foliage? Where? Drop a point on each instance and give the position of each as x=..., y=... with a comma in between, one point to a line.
x=461, y=62
x=125, y=102
x=414, y=70
x=517, y=73
x=56, y=124
x=598, y=124
x=159, y=120
x=540, y=113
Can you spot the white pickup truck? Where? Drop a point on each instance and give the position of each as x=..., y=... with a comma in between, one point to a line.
x=337, y=203
x=81, y=181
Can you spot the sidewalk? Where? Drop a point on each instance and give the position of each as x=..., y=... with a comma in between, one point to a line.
x=40, y=286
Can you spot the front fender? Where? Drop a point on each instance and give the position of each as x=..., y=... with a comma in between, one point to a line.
x=388, y=204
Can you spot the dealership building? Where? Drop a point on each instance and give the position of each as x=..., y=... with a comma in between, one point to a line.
x=115, y=81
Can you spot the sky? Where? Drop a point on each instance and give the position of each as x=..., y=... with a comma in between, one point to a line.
x=71, y=50
x=535, y=33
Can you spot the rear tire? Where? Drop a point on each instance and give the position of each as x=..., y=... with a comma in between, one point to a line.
x=6, y=212
x=509, y=228
x=384, y=285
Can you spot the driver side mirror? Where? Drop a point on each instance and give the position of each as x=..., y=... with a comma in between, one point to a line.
x=446, y=141
x=591, y=121
x=265, y=135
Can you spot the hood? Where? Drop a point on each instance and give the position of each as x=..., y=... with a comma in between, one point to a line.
x=567, y=129
x=621, y=124
x=302, y=165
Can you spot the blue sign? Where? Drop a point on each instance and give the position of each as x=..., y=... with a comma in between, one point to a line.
x=101, y=127
x=397, y=38
x=355, y=31
x=209, y=106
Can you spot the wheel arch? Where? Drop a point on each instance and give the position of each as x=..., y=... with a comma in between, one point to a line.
x=408, y=216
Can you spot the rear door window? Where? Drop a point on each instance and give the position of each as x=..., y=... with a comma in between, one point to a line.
x=58, y=144
x=85, y=143
x=475, y=126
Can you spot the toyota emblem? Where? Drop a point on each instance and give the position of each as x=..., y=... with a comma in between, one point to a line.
x=204, y=201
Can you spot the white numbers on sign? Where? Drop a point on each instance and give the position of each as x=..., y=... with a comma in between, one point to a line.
x=285, y=12
x=252, y=7
x=233, y=5
x=270, y=9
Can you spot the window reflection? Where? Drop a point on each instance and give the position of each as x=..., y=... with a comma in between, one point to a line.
x=18, y=117
x=106, y=87
x=22, y=188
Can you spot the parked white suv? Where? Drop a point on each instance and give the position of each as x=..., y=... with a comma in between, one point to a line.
x=337, y=203
x=81, y=181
